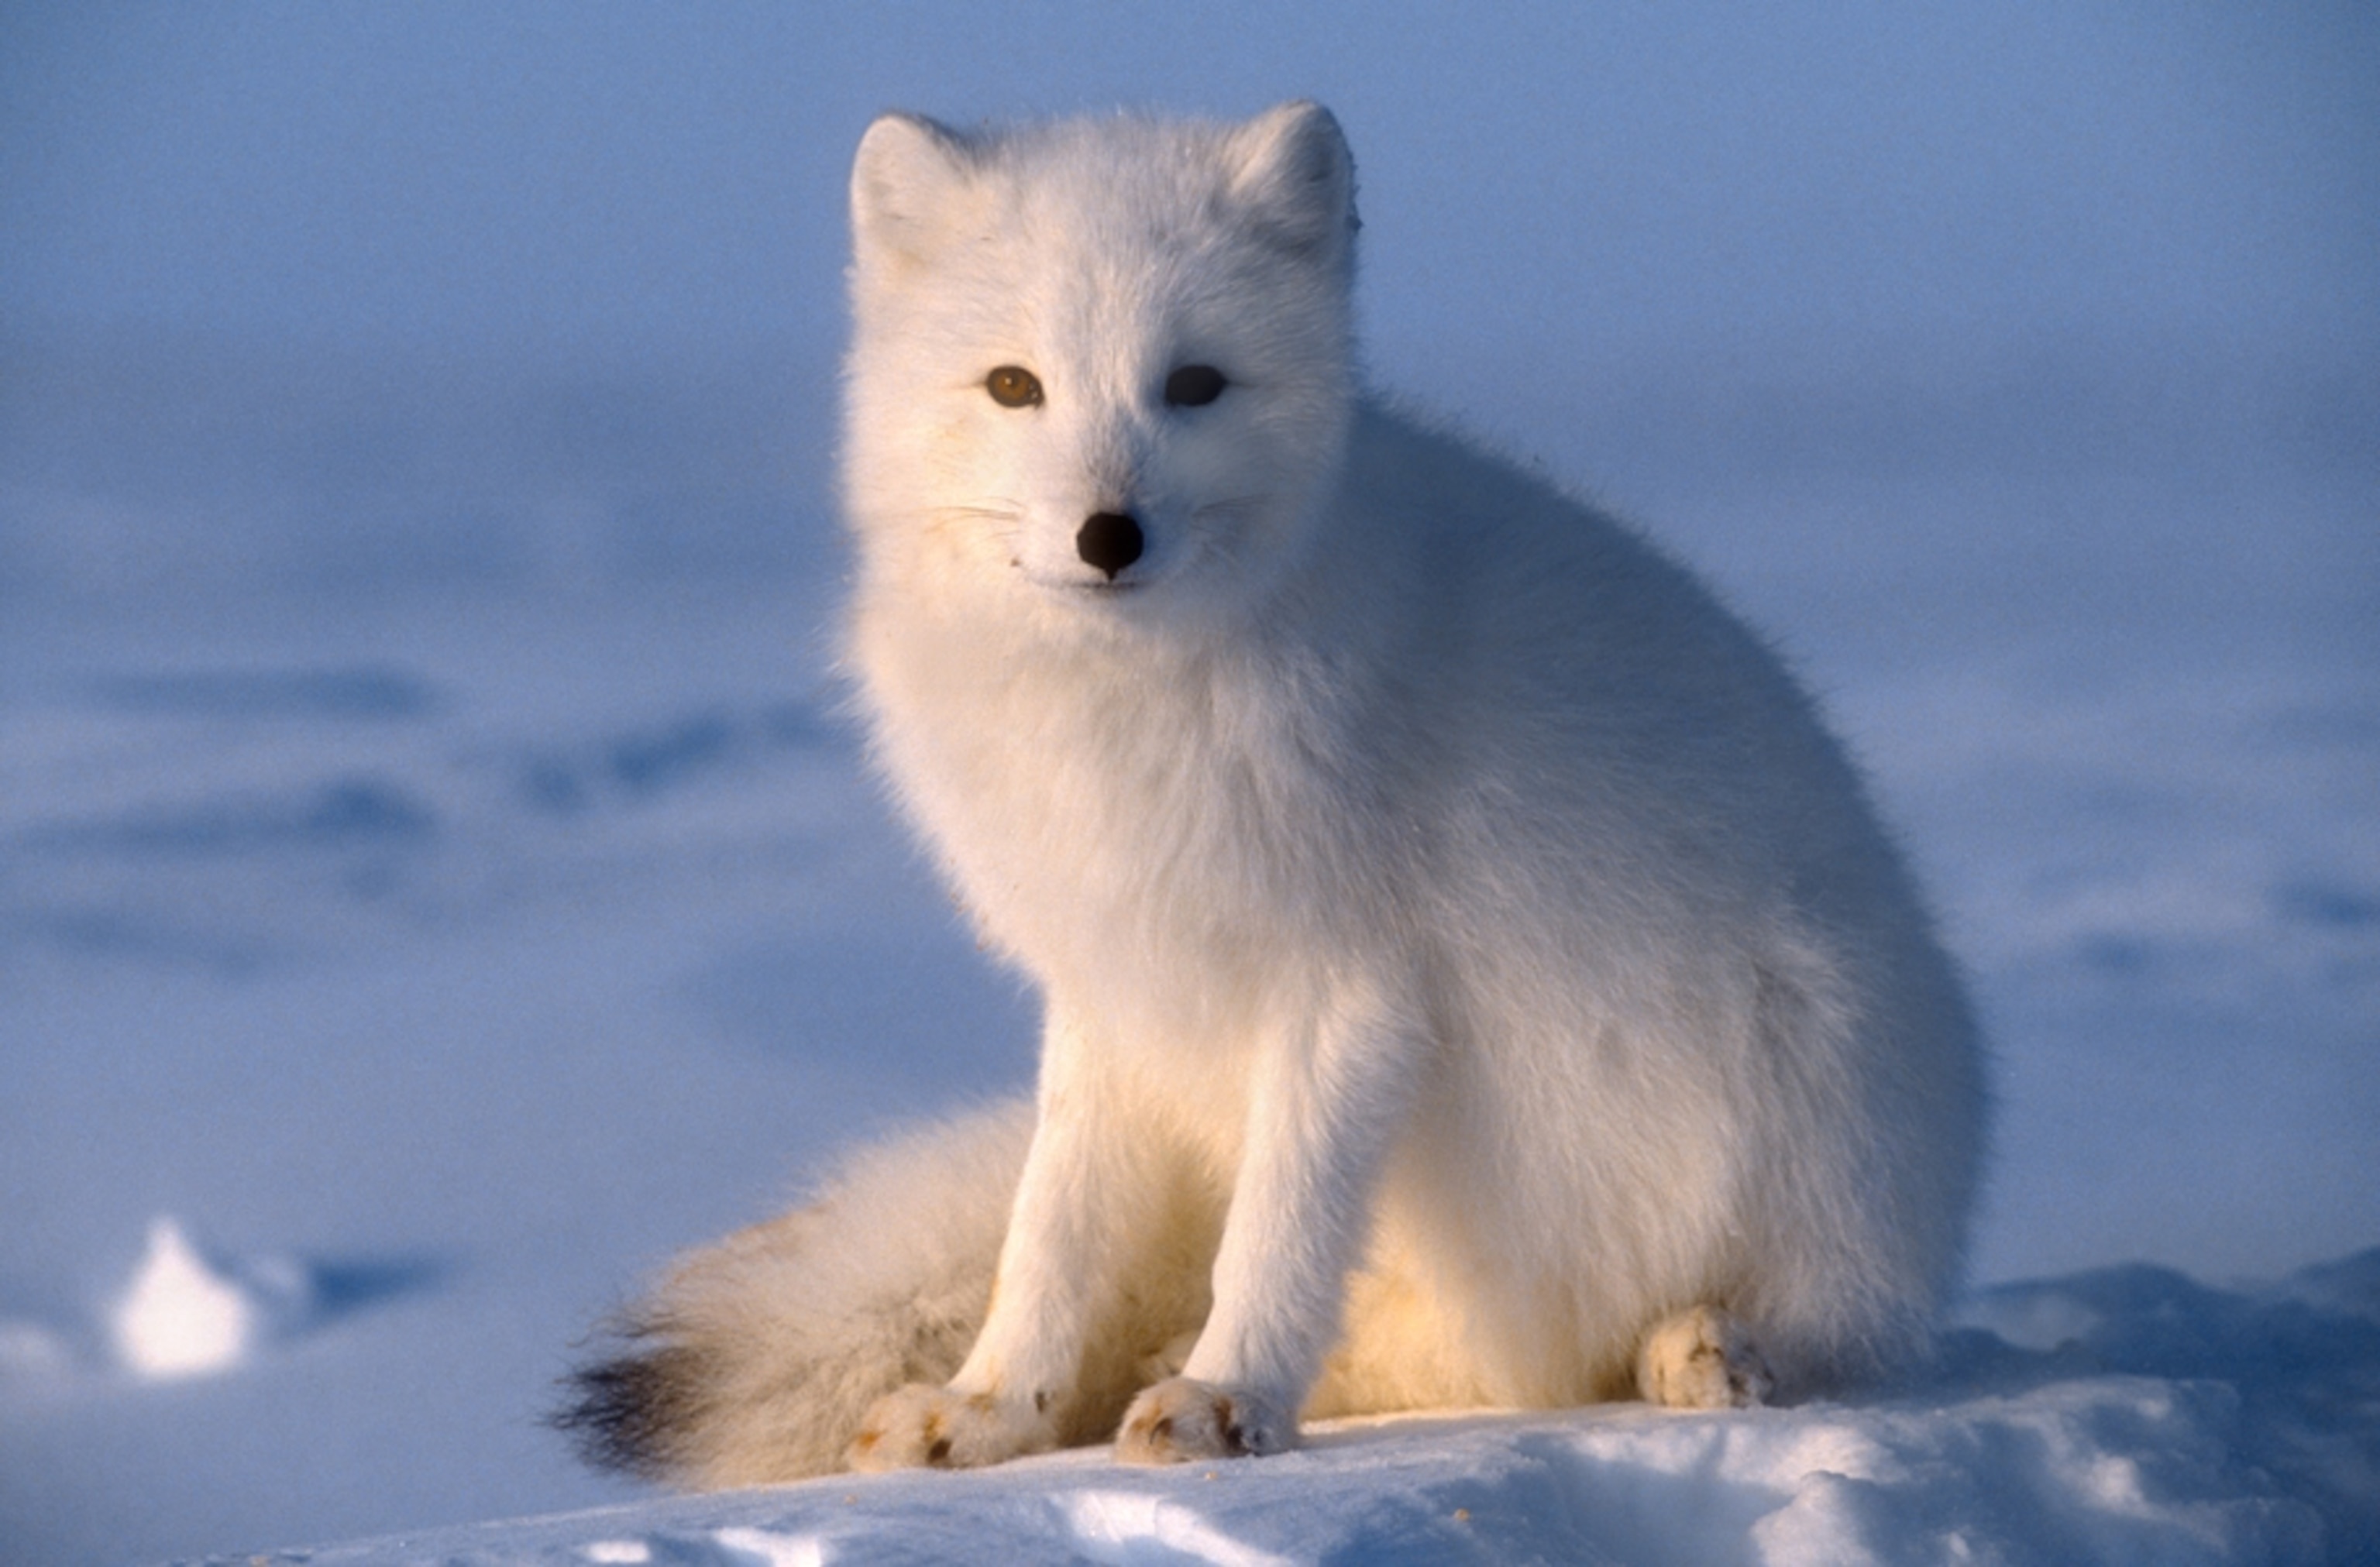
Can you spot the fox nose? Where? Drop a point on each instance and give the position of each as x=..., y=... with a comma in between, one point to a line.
x=1110, y=540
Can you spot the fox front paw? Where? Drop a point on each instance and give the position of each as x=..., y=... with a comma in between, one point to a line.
x=1702, y=1359
x=1178, y=1420
x=923, y=1427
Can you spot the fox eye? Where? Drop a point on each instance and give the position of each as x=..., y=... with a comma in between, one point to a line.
x=1013, y=386
x=1194, y=386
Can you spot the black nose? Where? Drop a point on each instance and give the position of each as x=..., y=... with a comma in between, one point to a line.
x=1110, y=540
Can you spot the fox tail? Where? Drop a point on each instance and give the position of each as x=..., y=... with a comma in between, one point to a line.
x=755, y=1358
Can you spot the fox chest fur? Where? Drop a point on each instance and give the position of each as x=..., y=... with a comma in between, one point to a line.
x=1170, y=835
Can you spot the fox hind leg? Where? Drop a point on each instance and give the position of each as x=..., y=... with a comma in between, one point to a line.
x=1702, y=1358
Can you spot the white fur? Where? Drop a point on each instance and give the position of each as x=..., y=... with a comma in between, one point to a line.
x=1471, y=974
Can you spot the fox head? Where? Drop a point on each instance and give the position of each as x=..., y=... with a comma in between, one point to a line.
x=1101, y=367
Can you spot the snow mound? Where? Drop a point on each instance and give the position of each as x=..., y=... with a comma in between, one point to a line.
x=2126, y=1414
x=2110, y=1469
x=190, y=1313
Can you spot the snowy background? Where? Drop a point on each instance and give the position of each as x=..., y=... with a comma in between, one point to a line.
x=436, y=883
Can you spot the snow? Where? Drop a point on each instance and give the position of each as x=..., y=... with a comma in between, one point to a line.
x=2181, y=1426
x=2160, y=1421
x=189, y=1314
x=437, y=881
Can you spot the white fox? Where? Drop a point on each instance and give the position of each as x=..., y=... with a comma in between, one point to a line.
x=1471, y=974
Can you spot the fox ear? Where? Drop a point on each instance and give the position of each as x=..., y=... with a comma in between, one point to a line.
x=909, y=181
x=1297, y=179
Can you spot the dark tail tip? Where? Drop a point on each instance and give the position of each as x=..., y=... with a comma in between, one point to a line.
x=624, y=1412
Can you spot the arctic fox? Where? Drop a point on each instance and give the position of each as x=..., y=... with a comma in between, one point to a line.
x=1472, y=974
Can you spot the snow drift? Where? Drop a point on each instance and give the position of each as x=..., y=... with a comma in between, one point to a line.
x=2125, y=1415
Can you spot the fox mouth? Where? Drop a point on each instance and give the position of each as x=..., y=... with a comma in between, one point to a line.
x=1082, y=586
x=1091, y=594
x=1079, y=586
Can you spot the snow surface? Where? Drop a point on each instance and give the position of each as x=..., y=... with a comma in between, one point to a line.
x=437, y=882
x=2174, y=1425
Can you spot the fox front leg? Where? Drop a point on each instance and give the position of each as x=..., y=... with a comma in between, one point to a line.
x=1074, y=1204
x=1324, y=1105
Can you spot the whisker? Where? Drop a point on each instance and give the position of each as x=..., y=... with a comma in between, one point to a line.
x=1005, y=516
x=1229, y=503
